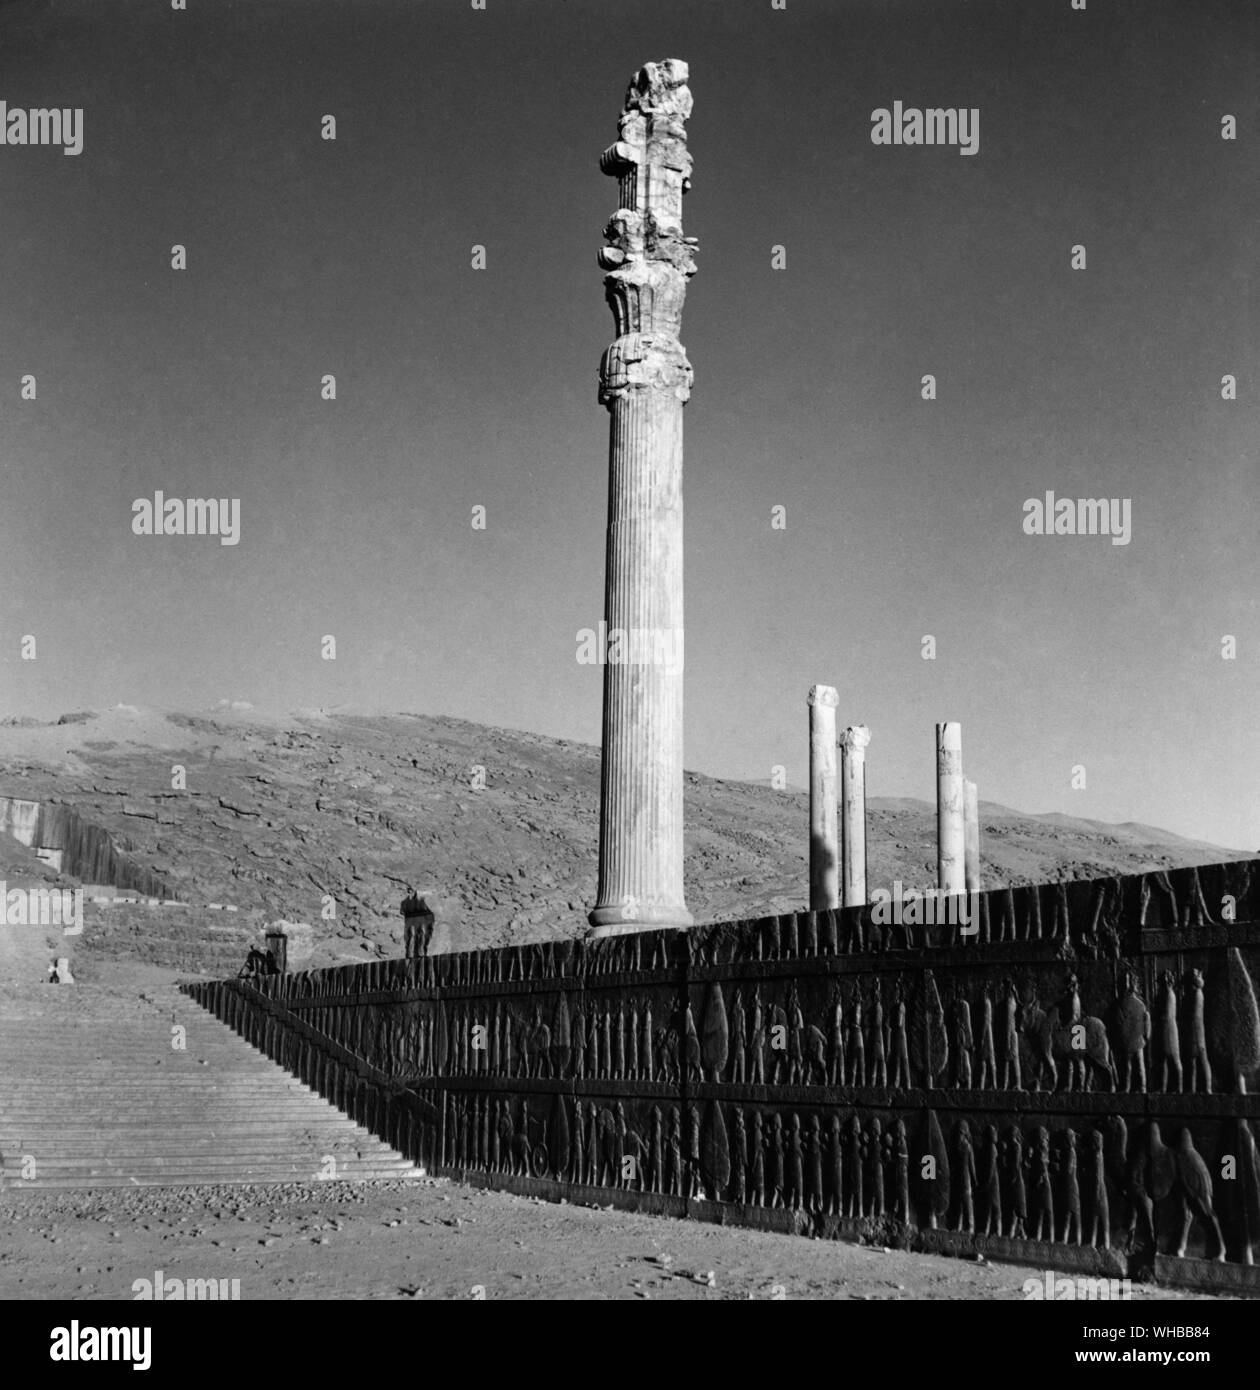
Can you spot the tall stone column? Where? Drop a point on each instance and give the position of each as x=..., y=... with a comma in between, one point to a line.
x=971, y=837
x=950, y=838
x=645, y=380
x=824, y=839
x=853, y=744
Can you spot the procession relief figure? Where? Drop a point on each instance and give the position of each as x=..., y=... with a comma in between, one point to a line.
x=795, y=1165
x=593, y=1050
x=901, y=1161
x=739, y=1158
x=991, y=1186
x=739, y=1038
x=966, y=1173
x=693, y=1152
x=1099, y=1208
x=814, y=1166
x=757, y=1161
x=619, y=1137
x=675, y=1188
x=1134, y=1025
x=960, y=1019
x=857, y=1044
x=1199, y=1065
x=1071, y=1191
x=605, y=1040
x=1168, y=1036
x=645, y=1043
x=795, y=1028
x=835, y=1167
x=619, y=1042
x=1011, y=1080
x=1042, y=1186
x=1019, y=1194
x=632, y=1051
x=658, y=1150
x=592, y=1144
x=775, y=1165
x=691, y=1045
x=757, y=1053
x=988, y=1060
x=496, y=1139
x=496, y=1031
x=577, y=1036
x=900, y=1046
x=879, y=1065
x=875, y=1145
x=835, y=1071
x=855, y=1166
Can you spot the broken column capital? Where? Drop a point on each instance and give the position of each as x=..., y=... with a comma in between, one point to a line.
x=855, y=739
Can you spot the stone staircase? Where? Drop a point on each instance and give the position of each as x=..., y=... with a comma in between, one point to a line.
x=94, y=1094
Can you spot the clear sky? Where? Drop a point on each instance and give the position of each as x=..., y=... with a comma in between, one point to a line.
x=459, y=388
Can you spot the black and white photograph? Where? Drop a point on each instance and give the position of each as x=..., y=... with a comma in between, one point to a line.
x=438, y=865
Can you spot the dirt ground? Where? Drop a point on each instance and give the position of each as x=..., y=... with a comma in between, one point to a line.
x=436, y=1239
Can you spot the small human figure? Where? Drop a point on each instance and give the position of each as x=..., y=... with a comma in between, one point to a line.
x=1168, y=1035
x=960, y=1020
x=1042, y=1186
x=857, y=1044
x=855, y=1205
x=1071, y=1190
x=1019, y=1194
x=1011, y=1079
x=991, y=1185
x=814, y=1166
x=739, y=1038
x=875, y=1156
x=966, y=1177
x=757, y=1042
x=988, y=1061
x=757, y=1161
x=878, y=1054
x=901, y=1161
x=835, y=1073
x=795, y=1165
x=775, y=1174
x=835, y=1167
x=1199, y=1064
x=900, y=1045
x=1099, y=1208
x=632, y=1051
x=739, y=1159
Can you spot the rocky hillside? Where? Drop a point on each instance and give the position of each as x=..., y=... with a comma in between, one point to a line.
x=310, y=814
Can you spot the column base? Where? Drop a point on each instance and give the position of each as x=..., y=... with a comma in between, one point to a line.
x=615, y=920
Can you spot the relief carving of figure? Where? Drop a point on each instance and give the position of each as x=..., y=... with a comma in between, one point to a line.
x=991, y=1185
x=835, y=1073
x=1019, y=1194
x=901, y=1162
x=875, y=1158
x=813, y=1166
x=988, y=1057
x=795, y=1183
x=835, y=1167
x=757, y=1161
x=855, y=1167
x=900, y=1045
x=757, y=1042
x=1133, y=1028
x=646, y=1071
x=961, y=1037
x=1071, y=1190
x=857, y=1044
x=775, y=1165
x=1042, y=1186
x=1167, y=1037
x=632, y=1051
x=739, y=1037
x=1199, y=1066
x=878, y=1053
x=1011, y=1079
x=965, y=1172
x=739, y=1158
x=1099, y=1208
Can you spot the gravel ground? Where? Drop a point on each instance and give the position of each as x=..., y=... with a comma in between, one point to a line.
x=437, y=1239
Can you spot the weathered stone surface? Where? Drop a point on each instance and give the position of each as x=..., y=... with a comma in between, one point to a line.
x=853, y=745
x=824, y=833
x=645, y=379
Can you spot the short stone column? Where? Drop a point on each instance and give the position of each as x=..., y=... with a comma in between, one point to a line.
x=971, y=837
x=950, y=834
x=824, y=839
x=853, y=744
x=278, y=948
x=418, y=919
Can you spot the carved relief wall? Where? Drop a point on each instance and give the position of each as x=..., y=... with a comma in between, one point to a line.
x=1072, y=1085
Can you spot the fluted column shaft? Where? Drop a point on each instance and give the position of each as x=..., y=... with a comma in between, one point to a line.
x=645, y=381
x=950, y=835
x=824, y=840
x=971, y=837
x=853, y=744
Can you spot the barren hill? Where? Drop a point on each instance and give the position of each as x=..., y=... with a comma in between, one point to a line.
x=280, y=812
